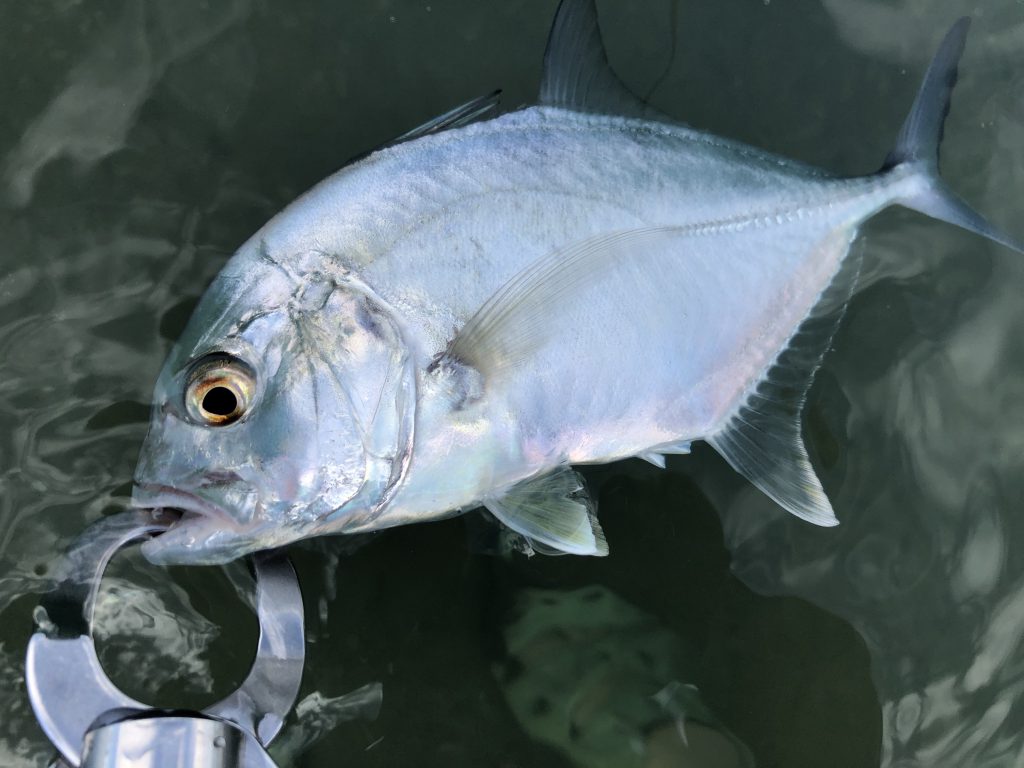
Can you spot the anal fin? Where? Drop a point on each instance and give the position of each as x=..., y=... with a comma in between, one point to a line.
x=552, y=511
x=763, y=440
x=656, y=454
x=652, y=457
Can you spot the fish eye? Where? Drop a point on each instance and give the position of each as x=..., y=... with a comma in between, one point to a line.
x=219, y=391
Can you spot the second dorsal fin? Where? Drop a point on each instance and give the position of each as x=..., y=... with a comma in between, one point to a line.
x=577, y=74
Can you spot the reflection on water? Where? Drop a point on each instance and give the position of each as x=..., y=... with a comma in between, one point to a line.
x=903, y=31
x=598, y=679
x=926, y=426
x=95, y=107
x=316, y=716
x=151, y=637
x=141, y=142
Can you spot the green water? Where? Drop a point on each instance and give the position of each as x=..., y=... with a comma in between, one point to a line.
x=142, y=141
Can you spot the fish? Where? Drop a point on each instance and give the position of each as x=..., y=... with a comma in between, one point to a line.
x=456, y=320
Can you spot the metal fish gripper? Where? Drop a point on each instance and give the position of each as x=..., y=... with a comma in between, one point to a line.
x=94, y=725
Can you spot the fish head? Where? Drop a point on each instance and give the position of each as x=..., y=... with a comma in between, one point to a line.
x=283, y=412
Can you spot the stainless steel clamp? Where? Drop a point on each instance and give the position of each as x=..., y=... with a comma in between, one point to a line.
x=93, y=724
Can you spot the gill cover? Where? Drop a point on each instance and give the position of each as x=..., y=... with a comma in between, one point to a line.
x=357, y=356
x=326, y=434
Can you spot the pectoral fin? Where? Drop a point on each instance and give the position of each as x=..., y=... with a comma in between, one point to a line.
x=524, y=313
x=553, y=511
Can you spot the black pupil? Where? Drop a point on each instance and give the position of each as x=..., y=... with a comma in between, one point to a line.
x=220, y=401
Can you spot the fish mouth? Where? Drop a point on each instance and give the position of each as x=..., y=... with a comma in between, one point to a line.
x=191, y=505
x=205, y=533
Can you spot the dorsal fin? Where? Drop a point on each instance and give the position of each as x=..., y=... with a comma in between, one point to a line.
x=763, y=440
x=577, y=74
x=454, y=118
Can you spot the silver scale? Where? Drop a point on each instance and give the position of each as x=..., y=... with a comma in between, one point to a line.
x=93, y=724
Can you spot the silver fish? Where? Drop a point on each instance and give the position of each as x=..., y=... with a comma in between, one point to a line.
x=456, y=319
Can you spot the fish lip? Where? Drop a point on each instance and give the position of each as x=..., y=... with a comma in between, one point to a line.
x=197, y=537
x=154, y=496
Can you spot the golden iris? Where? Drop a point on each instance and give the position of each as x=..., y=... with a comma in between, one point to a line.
x=220, y=390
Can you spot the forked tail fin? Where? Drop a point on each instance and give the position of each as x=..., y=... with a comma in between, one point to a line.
x=917, y=145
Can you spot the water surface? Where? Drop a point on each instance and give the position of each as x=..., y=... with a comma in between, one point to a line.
x=141, y=142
